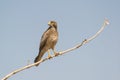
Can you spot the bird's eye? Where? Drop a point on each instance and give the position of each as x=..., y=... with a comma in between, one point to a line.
x=52, y=22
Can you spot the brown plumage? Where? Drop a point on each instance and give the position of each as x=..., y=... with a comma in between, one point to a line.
x=48, y=40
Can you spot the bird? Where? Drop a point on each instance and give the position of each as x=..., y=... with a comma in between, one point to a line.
x=48, y=41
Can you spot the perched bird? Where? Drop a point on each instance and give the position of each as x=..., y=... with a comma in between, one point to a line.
x=48, y=41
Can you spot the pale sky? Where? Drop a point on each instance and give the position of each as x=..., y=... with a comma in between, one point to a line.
x=22, y=23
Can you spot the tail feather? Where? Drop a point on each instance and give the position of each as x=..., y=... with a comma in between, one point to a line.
x=38, y=58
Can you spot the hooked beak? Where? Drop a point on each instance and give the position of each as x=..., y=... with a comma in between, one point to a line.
x=49, y=22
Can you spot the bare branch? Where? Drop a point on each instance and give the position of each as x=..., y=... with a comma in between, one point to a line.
x=106, y=22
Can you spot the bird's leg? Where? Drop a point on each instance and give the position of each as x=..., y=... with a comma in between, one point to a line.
x=49, y=56
x=55, y=53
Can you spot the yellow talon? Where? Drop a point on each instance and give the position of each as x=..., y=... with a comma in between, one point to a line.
x=55, y=53
x=49, y=56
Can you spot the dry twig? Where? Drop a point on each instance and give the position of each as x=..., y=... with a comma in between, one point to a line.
x=106, y=22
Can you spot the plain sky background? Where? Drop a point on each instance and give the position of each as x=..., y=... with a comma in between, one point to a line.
x=22, y=23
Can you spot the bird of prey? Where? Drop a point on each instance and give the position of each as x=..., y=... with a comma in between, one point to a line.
x=48, y=41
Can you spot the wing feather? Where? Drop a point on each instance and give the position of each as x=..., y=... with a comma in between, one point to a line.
x=44, y=39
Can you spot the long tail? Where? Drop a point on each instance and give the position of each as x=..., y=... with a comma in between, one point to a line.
x=38, y=58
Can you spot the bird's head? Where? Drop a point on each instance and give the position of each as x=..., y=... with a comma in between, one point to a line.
x=52, y=24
